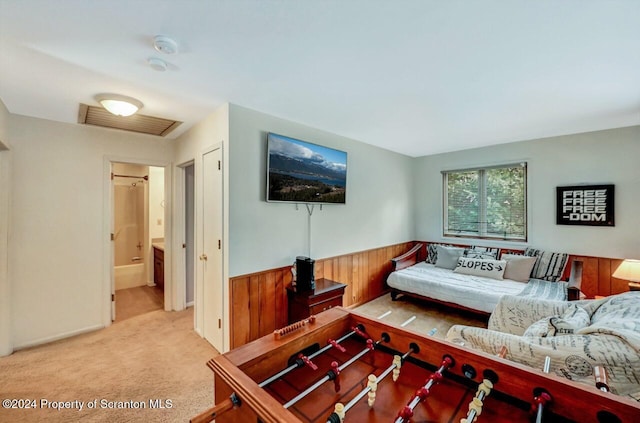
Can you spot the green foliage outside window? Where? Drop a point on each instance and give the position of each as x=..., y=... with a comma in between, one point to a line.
x=487, y=203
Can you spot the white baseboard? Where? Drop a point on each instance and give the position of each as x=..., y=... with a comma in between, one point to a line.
x=58, y=337
x=190, y=304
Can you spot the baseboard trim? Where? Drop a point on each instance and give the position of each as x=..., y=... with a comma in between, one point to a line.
x=58, y=337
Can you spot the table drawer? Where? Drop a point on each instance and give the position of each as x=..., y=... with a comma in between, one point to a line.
x=326, y=305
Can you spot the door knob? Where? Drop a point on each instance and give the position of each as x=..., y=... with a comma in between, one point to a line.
x=203, y=257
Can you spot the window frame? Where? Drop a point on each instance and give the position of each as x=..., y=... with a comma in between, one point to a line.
x=482, y=202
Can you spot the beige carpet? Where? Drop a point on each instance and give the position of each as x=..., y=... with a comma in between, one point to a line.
x=133, y=302
x=155, y=356
x=151, y=359
x=427, y=315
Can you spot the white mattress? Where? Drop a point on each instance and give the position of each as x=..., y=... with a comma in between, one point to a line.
x=475, y=292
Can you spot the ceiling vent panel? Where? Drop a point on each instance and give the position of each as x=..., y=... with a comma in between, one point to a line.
x=97, y=116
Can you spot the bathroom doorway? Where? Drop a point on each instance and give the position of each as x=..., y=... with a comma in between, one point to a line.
x=138, y=239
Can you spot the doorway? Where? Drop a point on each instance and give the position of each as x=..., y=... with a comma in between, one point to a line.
x=138, y=239
x=189, y=233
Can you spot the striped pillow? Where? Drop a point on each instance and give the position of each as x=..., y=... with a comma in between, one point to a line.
x=549, y=266
x=483, y=252
x=432, y=252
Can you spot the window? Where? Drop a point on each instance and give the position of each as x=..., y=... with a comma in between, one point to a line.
x=489, y=202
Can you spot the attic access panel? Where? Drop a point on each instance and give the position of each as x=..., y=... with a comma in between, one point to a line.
x=98, y=116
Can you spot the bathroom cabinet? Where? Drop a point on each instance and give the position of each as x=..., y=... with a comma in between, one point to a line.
x=158, y=267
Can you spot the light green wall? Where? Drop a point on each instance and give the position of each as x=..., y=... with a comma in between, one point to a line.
x=602, y=157
x=58, y=237
x=265, y=235
x=6, y=346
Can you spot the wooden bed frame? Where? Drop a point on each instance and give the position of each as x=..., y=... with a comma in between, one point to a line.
x=414, y=256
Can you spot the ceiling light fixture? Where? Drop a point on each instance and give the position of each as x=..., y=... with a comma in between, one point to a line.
x=119, y=105
x=165, y=45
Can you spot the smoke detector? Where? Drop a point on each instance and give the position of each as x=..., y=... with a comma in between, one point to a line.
x=157, y=64
x=165, y=44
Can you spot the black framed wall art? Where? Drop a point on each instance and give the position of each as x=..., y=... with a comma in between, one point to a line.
x=590, y=205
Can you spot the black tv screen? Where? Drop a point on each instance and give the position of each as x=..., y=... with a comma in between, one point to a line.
x=302, y=172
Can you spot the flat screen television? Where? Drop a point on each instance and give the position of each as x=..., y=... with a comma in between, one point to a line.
x=302, y=172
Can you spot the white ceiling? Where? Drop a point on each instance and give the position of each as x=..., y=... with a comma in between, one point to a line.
x=417, y=77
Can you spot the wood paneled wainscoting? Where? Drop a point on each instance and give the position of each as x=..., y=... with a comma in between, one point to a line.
x=259, y=300
x=596, y=276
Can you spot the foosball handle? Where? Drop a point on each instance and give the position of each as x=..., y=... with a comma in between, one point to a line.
x=217, y=410
x=600, y=375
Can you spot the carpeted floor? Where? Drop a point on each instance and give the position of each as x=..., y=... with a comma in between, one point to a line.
x=428, y=316
x=133, y=302
x=154, y=359
x=151, y=359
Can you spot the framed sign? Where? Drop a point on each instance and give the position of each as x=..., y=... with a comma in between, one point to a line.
x=590, y=205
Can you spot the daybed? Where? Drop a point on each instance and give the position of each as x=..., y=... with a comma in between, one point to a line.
x=577, y=336
x=438, y=280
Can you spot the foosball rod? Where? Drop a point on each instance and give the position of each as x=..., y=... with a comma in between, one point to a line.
x=475, y=407
x=484, y=389
x=543, y=397
x=379, y=379
x=370, y=346
x=447, y=361
x=357, y=329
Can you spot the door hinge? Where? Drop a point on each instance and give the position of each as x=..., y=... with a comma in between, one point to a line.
x=113, y=237
x=219, y=165
x=112, y=176
x=113, y=297
x=219, y=245
x=184, y=245
x=219, y=323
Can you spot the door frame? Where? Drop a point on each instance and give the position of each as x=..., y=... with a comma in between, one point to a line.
x=180, y=235
x=107, y=227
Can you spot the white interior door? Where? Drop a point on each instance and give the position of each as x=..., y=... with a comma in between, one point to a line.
x=211, y=254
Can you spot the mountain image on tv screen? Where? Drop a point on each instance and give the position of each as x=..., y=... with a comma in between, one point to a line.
x=302, y=172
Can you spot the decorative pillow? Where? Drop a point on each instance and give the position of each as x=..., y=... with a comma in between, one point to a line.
x=481, y=267
x=549, y=266
x=432, y=252
x=518, y=267
x=482, y=252
x=448, y=256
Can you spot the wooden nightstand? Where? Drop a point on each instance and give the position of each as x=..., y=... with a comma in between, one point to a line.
x=327, y=294
x=634, y=286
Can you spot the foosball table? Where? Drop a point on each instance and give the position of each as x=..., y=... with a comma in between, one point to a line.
x=342, y=366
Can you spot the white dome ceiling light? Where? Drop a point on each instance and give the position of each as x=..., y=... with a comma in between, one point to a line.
x=119, y=105
x=165, y=44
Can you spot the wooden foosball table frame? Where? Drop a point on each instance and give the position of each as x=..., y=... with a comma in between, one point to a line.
x=240, y=398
